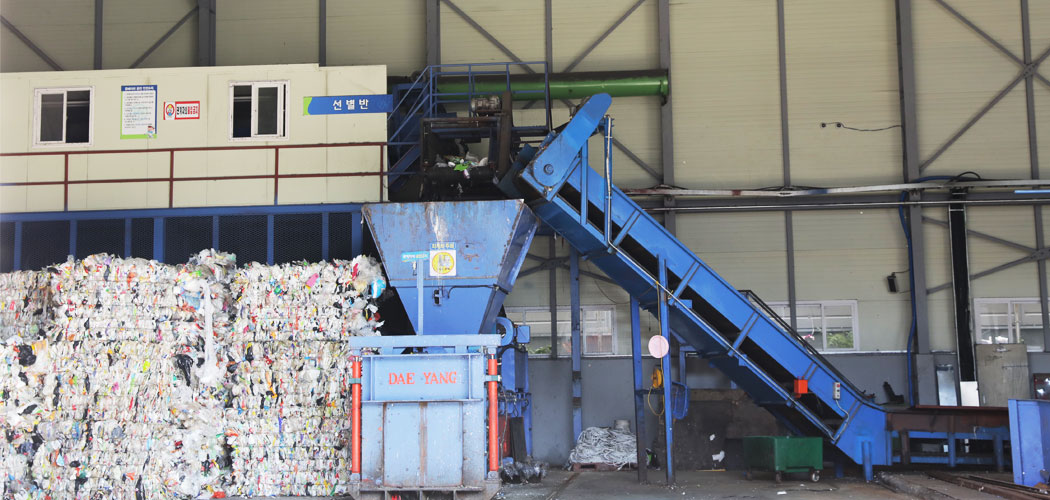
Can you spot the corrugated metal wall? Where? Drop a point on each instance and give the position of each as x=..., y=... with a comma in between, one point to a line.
x=841, y=64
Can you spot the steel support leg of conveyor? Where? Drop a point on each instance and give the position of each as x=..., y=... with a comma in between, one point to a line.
x=681, y=361
x=999, y=460
x=577, y=375
x=665, y=331
x=865, y=450
x=639, y=403
x=951, y=450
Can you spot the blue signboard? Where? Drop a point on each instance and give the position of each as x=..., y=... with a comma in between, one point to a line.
x=348, y=104
x=413, y=256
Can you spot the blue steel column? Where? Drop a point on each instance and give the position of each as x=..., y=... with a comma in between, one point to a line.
x=73, y=238
x=639, y=403
x=127, y=238
x=158, y=239
x=666, y=366
x=215, y=232
x=269, y=239
x=355, y=233
x=577, y=375
x=17, y=264
x=324, y=236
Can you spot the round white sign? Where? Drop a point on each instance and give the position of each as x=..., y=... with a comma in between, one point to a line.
x=658, y=347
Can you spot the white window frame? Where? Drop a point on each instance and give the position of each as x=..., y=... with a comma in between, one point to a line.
x=37, y=93
x=1014, y=327
x=564, y=319
x=823, y=321
x=282, y=110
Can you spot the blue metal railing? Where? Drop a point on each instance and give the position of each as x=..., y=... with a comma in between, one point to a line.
x=423, y=99
x=165, y=225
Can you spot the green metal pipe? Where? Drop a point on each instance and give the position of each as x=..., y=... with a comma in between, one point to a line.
x=561, y=86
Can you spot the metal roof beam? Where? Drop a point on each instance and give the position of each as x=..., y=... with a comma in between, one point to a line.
x=29, y=43
x=604, y=35
x=164, y=37
x=488, y=36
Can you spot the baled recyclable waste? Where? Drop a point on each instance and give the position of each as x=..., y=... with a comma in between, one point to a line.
x=149, y=380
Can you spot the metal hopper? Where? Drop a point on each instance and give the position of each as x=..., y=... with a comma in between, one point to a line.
x=469, y=252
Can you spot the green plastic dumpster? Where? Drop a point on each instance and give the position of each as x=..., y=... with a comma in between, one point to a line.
x=780, y=454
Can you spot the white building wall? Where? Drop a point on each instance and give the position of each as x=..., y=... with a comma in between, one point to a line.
x=211, y=86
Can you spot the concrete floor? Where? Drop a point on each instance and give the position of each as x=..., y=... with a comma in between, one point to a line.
x=691, y=485
x=565, y=485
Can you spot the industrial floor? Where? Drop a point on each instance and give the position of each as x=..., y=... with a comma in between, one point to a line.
x=564, y=485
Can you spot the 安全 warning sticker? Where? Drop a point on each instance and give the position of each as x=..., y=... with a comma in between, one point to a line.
x=443, y=259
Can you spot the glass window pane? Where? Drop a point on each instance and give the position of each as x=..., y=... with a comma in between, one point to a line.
x=540, y=329
x=993, y=321
x=539, y=316
x=1028, y=314
x=1030, y=320
x=540, y=345
x=809, y=324
x=267, y=111
x=78, y=116
x=564, y=326
x=51, y=117
x=592, y=344
x=242, y=111
x=840, y=339
x=564, y=346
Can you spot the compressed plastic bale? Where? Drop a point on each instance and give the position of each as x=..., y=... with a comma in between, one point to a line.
x=140, y=380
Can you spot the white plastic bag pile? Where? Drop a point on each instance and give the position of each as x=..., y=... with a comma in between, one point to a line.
x=23, y=299
x=146, y=375
x=288, y=419
x=302, y=451
x=289, y=392
x=128, y=389
x=606, y=446
x=297, y=302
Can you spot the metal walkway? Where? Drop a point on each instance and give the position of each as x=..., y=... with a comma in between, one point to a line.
x=734, y=331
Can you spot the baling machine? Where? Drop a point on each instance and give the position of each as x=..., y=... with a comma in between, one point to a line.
x=426, y=407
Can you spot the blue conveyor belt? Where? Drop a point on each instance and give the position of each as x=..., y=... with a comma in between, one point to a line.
x=730, y=329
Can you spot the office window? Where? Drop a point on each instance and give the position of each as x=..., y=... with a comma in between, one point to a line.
x=258, y=110
x=828, y=325
x=597, y=329
x=62, y=116
x=1009, y=321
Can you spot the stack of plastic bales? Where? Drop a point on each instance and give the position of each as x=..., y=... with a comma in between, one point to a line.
x=288, y=424
x=149, y=380
x=130, y=383
x=24, y=302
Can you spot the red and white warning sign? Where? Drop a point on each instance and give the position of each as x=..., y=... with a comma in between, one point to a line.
x=182, y=110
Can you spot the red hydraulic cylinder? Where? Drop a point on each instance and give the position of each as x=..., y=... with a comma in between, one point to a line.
x=493, y=417
x=355, y=415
